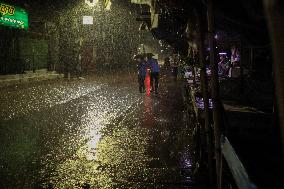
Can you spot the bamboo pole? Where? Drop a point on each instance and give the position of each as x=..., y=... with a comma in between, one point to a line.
x=204, y=87
x=215, y=93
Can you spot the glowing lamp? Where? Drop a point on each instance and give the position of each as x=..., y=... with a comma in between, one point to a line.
x=91, y=3
x=88, y=20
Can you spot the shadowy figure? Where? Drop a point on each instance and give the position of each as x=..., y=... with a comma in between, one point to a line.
x=223, y=67
x=142, y=70
x=167, y=64
x=86, y=186
x=175, y=64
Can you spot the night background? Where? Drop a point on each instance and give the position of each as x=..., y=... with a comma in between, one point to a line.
x=83, y=105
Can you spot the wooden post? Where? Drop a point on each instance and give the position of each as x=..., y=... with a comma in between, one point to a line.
x=215, y=93
x=251, y=59
x=275, y=19
x=204, y=88
x=242, y=48
x=194, y=67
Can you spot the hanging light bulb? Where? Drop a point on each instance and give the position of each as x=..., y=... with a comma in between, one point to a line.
x=91, y=3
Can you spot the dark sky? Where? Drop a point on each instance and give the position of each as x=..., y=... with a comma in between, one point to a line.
x=237, y=17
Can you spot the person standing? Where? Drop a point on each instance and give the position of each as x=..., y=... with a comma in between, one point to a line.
x=223, y=67
x=142, y=70
x=154, y=75
x=235, y=60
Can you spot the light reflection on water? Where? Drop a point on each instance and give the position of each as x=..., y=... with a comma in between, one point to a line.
x=92, y=144
x=106, y=162
x=89, y=138
x=105, y=159
x=36, y=98
x=147, y=83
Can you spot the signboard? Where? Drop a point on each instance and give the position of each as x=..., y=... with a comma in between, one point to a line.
x=13, y=16
x=88, y=20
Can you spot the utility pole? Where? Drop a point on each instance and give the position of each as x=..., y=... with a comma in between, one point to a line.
x=275, y=19
x=204, y=88
x=215, y=93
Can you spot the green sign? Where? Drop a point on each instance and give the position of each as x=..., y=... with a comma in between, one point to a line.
x=13, y=16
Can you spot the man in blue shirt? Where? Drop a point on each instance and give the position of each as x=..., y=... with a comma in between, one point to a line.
x=154, y=75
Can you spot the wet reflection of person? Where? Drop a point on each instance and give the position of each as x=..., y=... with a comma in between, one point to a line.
x=142, y=70
x=175, y=69
x=155, y=70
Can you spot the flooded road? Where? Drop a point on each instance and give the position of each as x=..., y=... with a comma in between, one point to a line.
x=96, y=133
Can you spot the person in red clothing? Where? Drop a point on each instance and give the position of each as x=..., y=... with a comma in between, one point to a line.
x=155, y=70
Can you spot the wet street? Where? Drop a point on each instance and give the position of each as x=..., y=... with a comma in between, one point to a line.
x=94, y=132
